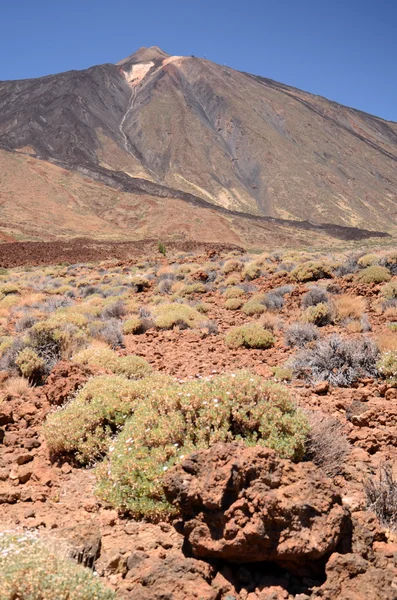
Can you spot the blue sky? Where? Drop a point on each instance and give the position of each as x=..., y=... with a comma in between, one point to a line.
x=345, y=50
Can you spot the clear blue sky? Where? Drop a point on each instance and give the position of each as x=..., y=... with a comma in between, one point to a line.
x=345, y=50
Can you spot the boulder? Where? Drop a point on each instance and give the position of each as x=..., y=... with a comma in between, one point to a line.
x=247, y=505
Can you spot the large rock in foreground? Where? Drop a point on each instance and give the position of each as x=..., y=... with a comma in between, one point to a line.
x=247, y=505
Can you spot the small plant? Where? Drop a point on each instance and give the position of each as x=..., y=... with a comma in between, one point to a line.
x=311, y=271
x=300, y=334
x=30, y=571
x=374, y=274
x=283, y=373
x=339, y=361
x=387, y=366
x=233, y=304
x=381, y=495
x=316, y=295
x=319, y=315
x=389, y=291
x=252, y=271
x=85, y=427
x=233, y=292
x=30, y=364
x=132, y=325
x=327, y=444
x=251, y=335
x=161, y=248
x=183, y=417
x=349, y=307
x=168, y=316
x=232, y=265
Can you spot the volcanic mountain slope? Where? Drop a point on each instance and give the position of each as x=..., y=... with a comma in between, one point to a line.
x=174, y=131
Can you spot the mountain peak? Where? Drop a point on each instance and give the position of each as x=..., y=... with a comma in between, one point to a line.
x=144, y=55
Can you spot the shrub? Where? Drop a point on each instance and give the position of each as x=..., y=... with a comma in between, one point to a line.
x=251, y=335
x=349, y=307
x=25, y=322
x=282, y=373
x=193, y=288
x=341, y=362
x=311, y=271
x=269, y=321
x=85, y=427
x=255, y=305
x=389, y=291
x=233, y=292
x=368, y=259
x=232, y=265
x=133, y=325
x=30, y=364
x=327, y=445
x=319, y=315
x=300, y=334
x=182, y=418
x=133, y=367
x=109, y=332
x=316, y=295
x=168, y=316
x=9, y=288
x=114, y=310
x=252, y=271
x=381, y=495
x=233, y=303
x=48, y=341
x=387, y=366
x=374, y=274
x=30, y=571
x=139, y=283
x=161, y=248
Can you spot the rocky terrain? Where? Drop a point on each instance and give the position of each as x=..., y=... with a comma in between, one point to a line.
x=199, y=422
x=105, y=153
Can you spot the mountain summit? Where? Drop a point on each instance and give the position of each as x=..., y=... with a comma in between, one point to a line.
x=161, y=126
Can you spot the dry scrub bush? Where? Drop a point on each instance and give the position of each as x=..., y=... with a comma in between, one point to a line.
x=30, y=571
x=349, y=307
x=192, y=288
x=315, y=295
x=232, y=265
x=172, y=423
x=269, y=321
x=339, y=361
x=233, y=303
x=251, y=335
x=389, y=290
x=16, y=386
x=320, y=315
x=168, y=316
x=132, y=325
x=132, y=367
x=85, y=426
x=300, y=334
x=368, y=260
x=30, y=364
x=252, y=271
x=253, y=307
x=327, y=444
x=387, y=342
x=233, y=292
x=387, y=366
x=381, y=495
x=311, y=271
x=374, y=274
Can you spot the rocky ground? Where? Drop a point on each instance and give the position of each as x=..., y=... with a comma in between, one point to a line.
x=250, y=525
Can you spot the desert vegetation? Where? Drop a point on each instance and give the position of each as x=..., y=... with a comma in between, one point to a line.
x=118, y=373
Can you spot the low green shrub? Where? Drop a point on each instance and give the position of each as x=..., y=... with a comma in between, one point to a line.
x=131, y=366
x=389, y=290
x=233, y=292
x=30, y=571
x=170, y=424
x=132, y=325
x=233, y=303
x=30, y=364
x=387, y=366
x=319, y=315
x=251, y=335
x=232, y=265
x=84, y=427
x=168, y=316
x=311, y=271
x=374, y=274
